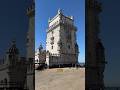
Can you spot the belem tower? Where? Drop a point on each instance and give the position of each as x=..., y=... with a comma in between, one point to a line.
x=61, y=44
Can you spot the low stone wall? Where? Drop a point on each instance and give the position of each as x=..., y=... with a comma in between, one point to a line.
x=61, y=60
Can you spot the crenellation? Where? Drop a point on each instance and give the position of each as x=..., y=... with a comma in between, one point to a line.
x=31, y=10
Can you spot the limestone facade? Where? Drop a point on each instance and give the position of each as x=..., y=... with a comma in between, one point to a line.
x=61, y=44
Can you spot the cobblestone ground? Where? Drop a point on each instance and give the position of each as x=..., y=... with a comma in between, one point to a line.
x=60, y=79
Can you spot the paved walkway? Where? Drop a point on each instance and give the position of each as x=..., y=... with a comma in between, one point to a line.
x=60, y=79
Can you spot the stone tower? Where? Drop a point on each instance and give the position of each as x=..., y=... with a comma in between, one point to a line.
x=61, y=45
x=31, y=47
x=95, y=58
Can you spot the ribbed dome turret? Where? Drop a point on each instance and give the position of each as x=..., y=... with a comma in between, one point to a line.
x=13, y=49
x=40, y=47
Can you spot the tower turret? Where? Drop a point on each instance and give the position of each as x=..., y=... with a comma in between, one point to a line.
x=59, y=11
x=40, y=48
x=12, y=55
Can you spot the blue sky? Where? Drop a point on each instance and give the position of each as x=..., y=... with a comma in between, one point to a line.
x=48, y=8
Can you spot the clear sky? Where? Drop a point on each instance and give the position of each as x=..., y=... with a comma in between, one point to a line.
x=48, y=8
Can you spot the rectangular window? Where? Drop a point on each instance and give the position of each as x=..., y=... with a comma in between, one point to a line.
x=52, y=47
